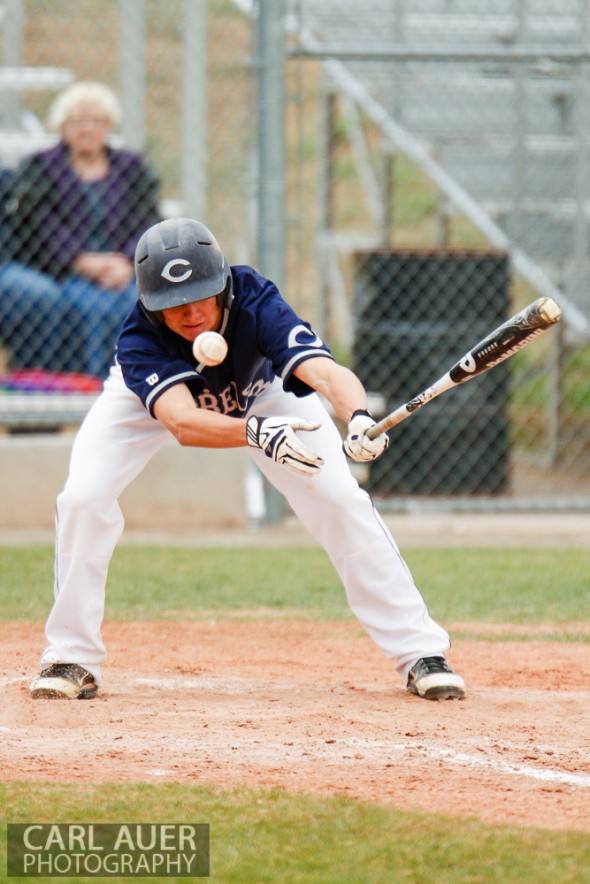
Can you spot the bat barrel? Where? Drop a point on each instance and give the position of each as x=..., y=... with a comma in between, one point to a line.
x=499, y=345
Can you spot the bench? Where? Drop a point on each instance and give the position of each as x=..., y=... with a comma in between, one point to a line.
x=49, y=412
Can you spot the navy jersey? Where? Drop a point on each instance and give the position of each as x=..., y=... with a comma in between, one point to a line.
x=266, y=339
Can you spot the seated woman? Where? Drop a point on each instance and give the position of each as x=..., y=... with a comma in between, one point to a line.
x=78, y=213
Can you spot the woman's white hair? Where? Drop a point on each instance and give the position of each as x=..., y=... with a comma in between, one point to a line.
x=80, y=97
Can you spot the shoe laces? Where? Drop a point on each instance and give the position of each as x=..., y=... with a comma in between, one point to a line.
x=64, y=669
x=435, y=664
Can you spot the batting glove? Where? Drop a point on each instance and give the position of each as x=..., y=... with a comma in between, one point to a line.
x=357, y=446
x=276, y=437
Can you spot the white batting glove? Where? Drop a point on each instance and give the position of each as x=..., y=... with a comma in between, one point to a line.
x=357, y=446
x=276, y=437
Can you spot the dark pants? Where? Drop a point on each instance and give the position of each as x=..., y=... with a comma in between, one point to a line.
x=70, y=325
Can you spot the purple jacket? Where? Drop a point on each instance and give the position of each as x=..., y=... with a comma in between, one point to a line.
x=54, y=218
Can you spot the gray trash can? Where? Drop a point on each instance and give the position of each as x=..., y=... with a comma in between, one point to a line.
x=417, y=313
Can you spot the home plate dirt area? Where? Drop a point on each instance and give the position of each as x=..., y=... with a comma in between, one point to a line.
x=314, y=707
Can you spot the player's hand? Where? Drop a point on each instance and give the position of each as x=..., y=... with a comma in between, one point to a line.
x=276, y=437
x=357, y=445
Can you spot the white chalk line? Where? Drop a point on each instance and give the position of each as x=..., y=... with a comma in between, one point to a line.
x=175, y=683
x=522, y=770
x=400, y=752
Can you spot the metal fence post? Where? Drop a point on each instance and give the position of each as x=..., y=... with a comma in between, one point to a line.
x=271, y=140
x=12, y=53
x=271, y=173
x=194, y=135
x=133, y=72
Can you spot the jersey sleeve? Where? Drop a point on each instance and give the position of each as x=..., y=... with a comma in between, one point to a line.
x=283, y=337
x=149, y=366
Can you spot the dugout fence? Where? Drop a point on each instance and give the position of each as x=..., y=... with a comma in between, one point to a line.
x=320, y=145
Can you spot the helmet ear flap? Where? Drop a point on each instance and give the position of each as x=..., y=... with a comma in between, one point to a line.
x=226, y=296
x=156, y=317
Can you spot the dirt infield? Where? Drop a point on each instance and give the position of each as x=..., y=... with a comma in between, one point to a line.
x=314, y=707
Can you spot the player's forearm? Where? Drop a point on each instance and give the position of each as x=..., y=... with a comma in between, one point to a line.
x=198, y=428
x=346, y=394
x=337, y=384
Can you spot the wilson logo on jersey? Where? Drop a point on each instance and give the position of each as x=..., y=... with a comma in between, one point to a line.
x=152, y=379
x=178, y=276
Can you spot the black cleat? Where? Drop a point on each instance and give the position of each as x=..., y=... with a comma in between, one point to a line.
x=433, y=679
x=64, y=681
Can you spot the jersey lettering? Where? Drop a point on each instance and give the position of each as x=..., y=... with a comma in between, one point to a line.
x=310, y=339
x=256, y=388
x=152, y=379
x=179, y=277
x=207, y=400
x=229, y=401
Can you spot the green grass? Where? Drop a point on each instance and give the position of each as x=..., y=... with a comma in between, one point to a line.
x=271, y=836
x=495, y=585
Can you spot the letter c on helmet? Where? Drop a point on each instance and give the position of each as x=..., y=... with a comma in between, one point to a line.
x=176, y=262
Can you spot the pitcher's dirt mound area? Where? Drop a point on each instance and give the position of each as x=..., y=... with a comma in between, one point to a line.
x=313, y=707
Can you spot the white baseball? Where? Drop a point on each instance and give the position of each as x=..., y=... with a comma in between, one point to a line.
x=210, y=348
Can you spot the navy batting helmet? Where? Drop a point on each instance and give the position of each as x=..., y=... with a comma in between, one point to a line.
x=179, y=261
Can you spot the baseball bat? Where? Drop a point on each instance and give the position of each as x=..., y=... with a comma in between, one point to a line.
x=503, y=342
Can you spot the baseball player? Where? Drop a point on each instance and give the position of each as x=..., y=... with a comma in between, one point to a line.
x=263, y=396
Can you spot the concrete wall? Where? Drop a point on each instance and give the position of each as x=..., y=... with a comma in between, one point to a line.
x=181, y=488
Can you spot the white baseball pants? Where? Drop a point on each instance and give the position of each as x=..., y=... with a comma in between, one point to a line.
x=113, y=445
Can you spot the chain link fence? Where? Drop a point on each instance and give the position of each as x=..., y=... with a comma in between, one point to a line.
x=437, y=179
x=178, y=124
x=456, y=189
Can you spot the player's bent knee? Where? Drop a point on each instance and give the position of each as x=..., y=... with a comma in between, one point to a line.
x=82, y=497
x=342, y=494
